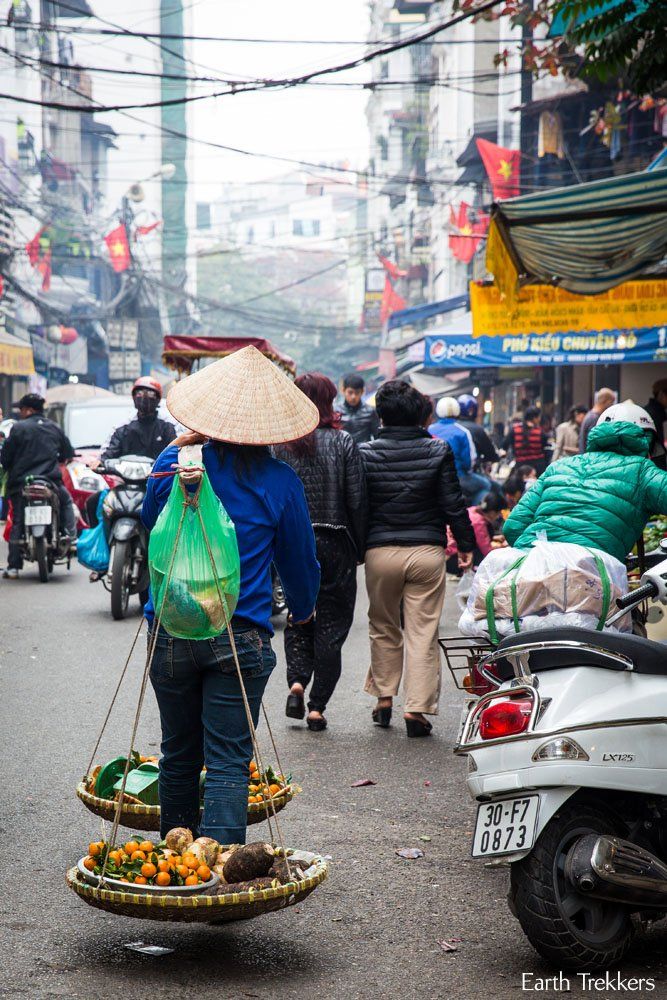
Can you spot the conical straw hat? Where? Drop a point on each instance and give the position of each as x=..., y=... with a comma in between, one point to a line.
x=245, y=399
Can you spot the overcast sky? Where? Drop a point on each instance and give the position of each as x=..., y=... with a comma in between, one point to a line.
x=312, y=123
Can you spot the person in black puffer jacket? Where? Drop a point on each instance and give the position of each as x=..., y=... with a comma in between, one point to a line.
x=329, y=465
x=358, y=418
x=414, y=494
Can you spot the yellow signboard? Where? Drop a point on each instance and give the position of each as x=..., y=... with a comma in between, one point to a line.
x=545, y=309
x=15, y=360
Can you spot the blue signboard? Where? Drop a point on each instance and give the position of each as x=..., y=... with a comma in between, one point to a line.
x=603, y=347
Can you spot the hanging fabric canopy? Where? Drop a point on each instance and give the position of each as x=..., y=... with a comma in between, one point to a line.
x=585, y=239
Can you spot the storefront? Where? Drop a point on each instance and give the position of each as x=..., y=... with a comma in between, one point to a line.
x=563, y=347
x=16, y=366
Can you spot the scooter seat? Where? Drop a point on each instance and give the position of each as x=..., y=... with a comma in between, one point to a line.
x=647, y=657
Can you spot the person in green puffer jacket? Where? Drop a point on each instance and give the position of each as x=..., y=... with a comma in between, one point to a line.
x=602, y=498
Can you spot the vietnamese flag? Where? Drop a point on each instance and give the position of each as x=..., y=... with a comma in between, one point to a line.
x=503, y=168
x=33, y=248
x=391, y=301
x=467, y=231
x=119, y=248
x=145, y=230
x=393, y=270
x=44, y=268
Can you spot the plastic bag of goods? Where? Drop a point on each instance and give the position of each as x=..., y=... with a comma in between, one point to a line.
x=195, y=571
x=92, y=549
x=551, y=585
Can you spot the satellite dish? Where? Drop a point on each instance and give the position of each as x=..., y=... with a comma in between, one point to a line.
x=136, y=193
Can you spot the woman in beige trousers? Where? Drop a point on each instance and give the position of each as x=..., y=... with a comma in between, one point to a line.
x=414, y=494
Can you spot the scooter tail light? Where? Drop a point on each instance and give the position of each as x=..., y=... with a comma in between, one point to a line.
x=505, y=718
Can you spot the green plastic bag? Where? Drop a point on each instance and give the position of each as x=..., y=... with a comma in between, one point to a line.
x=188, y=594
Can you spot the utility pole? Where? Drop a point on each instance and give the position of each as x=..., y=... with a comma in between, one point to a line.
x=526, y=97
x=173, y=120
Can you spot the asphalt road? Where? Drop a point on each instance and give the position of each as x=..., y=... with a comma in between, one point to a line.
x=372, y=930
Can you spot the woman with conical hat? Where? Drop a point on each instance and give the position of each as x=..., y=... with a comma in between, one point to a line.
x=236, y=408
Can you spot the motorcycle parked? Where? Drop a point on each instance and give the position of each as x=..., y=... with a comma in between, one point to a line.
x=42, y=541
x=126, y=534
x=566, y=760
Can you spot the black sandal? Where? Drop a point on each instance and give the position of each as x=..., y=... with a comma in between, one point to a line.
x=316, y=725
x=416, y=728
x=295, y=707
x=381, y=717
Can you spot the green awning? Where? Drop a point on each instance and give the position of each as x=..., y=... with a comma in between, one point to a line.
x=585, y=239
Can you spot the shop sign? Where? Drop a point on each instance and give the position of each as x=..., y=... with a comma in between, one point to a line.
x=15, y=360
x=604, y=347
x=544, y=309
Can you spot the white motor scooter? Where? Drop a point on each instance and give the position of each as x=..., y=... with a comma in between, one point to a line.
x=568, y=761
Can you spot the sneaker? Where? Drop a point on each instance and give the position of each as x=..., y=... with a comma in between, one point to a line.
x=10, y=574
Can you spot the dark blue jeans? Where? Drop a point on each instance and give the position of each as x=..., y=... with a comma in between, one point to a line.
x=204, y=722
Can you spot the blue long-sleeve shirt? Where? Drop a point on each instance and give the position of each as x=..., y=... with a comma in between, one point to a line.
x=270, y=513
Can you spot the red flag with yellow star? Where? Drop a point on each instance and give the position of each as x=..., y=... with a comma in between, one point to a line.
x=503, y=167
x=467, y=231
x=119, y=248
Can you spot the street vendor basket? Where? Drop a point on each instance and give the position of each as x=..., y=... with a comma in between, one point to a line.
x=137, y=816
x=213, y=908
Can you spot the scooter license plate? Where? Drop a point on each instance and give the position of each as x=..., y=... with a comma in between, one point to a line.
x=37, y=515
x=505, y=826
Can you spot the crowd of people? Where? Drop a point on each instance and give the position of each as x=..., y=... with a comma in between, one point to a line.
x=409, y=490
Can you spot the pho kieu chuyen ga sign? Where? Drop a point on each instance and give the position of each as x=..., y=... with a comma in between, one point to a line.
x=552, y=327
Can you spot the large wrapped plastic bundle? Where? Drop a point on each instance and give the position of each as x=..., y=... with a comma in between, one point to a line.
x=551, y=585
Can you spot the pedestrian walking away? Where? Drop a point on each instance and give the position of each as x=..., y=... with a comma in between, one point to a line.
x=330, y=467
x=358, y=418
x=527, y=441
x=35, y=447
x=567, y=434
x=197, y=688
x=604, y=398
x=414, y=494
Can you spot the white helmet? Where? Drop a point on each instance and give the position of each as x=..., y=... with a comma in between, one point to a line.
x=448, y=407
x=628, y=412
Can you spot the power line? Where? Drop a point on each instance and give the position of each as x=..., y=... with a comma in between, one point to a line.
x=266, y=84
x=430, y=81
x=148, y=35
x=164, y=130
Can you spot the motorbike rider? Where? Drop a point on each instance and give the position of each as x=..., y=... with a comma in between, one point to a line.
x=486, y=451
x=35, y=447
x=447, y=428
x=147, y=434
x=602, y=498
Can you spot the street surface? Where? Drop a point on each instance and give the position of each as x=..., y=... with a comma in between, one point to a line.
x=372, y=930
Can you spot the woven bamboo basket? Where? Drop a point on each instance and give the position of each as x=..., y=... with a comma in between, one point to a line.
x=210, y=909
x=140, y=817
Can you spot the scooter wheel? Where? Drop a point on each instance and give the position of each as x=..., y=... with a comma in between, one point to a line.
x=569, y=929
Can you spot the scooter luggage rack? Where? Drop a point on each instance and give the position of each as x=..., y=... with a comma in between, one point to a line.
x=462, y=653
x=519, y=657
